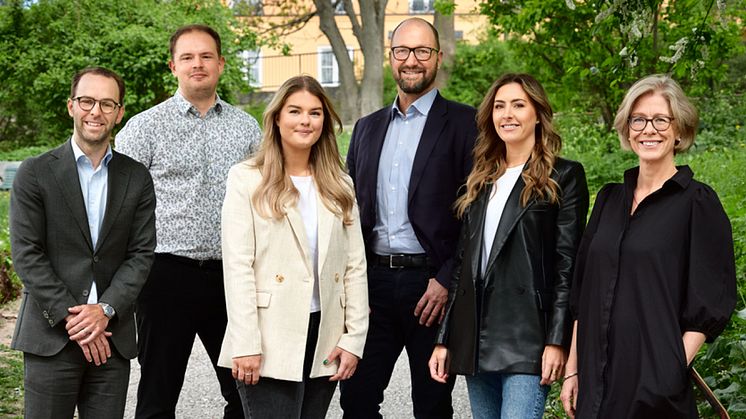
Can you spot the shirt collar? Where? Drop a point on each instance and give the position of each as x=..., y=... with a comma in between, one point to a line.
x=184, y=106
x=682, y=177
x=421, y=105
x=78, y=153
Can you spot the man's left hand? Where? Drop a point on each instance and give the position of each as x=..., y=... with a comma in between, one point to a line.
x=85, y=322
x=431, y=306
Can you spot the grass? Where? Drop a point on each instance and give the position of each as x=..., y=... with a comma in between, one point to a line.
x=11, y=383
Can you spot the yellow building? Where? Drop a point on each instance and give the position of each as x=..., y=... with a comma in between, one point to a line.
x=310, y=52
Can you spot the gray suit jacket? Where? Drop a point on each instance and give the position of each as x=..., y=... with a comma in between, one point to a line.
x=53, y=253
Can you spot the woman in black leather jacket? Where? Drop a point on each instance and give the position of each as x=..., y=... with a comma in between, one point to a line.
x=507, y=322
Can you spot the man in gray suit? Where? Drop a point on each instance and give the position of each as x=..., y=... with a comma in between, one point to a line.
x=82, y=230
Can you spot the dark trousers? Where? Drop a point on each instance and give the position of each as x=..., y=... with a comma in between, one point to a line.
x=282, y=399
x=182, y=298
x=393, y=295
x=54, y=385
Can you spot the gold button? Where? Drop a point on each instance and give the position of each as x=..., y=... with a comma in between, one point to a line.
x=279, y=278
x=336, y=277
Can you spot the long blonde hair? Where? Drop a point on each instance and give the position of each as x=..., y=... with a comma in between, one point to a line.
x=490, y=150
x=276, y=190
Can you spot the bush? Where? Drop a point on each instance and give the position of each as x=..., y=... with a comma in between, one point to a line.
x=10, y=285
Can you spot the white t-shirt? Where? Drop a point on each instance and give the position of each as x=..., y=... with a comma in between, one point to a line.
x=498, y=197
x=309, y=214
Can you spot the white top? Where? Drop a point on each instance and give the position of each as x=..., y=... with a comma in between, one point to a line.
x=307, y=208
x=498, y=197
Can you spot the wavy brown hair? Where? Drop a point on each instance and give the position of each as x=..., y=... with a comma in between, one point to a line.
x=276, y=190
x=490, y=151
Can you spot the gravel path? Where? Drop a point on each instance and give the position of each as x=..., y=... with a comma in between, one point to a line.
x=200, y=397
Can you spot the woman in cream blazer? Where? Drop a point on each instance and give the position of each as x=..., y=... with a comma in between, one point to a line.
x=294, y=262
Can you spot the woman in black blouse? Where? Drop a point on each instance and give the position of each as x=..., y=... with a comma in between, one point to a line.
x=655, y=273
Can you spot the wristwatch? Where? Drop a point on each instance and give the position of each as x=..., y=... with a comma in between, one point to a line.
x=108, y=310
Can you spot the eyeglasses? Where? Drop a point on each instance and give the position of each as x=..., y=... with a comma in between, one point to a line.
x=660, y=123
x=420, y=53
x=87, y=103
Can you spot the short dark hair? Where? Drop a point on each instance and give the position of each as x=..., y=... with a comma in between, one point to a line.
x=98, y=71
x=194, y=28
x=417, y=19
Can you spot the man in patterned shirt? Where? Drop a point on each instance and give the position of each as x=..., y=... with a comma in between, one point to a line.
x=188, y=143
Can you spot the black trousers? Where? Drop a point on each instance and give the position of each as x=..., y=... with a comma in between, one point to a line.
x=182, y=298
x=393, y=295
x=282, y=399
x=55, y=384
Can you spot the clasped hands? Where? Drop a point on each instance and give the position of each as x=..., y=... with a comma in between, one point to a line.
x=86, y=324
x=247, y=368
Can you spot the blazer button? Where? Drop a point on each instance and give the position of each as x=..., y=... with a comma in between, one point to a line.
x=336, y=277
x=51, y=322
x=95, y=259
x=85, y=293
x=46, y=315
x=462, y=291
x=279, y=278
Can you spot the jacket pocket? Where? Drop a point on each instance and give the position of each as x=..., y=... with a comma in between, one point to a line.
x=263, y=299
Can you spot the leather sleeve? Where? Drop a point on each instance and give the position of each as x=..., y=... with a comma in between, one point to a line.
x=571, y=217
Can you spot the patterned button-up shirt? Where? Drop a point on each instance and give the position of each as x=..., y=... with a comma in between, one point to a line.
x=189, y=157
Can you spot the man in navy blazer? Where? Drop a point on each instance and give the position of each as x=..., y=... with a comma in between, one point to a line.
x=82, y=231
x=408, y=162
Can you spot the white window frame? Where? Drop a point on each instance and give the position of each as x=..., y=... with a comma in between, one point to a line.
x=427, y=6
x=248, y=67
x=335, y=67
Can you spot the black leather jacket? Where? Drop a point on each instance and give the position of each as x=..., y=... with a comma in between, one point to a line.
x=524, y=295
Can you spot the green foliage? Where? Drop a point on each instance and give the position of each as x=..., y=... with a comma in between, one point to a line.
x=256, y=110
x=723, y=363
x=587, y=141
x=44, y=44
x=10, y=284
x=11, y=383
x=476, y=67
x=389, y=86
x=588, y=53
x=20, y=154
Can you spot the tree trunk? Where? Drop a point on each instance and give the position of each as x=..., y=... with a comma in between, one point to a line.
x=445, y=27
x=363, y=98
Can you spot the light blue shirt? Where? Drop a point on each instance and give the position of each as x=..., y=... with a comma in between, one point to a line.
x=94, y=183
x=393, y=233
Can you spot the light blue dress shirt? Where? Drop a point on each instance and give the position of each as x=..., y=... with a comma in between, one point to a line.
x=94, y=183
x=393, y=233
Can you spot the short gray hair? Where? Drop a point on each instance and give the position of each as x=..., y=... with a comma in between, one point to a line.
x=685, y=115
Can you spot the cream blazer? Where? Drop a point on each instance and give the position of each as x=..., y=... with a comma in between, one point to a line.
x=268, y=274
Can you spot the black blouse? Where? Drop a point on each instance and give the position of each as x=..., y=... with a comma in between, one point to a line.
x=640, y=282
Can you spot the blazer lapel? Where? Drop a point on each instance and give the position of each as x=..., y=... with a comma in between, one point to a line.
x=477, y=212
x=378, y=136
x=436, y=119
x=512, y=213
x=299, y=230
x=65, y=171
x=326, y=222
x=118, y=179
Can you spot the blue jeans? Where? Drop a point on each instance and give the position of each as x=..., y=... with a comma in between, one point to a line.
x=507, y=396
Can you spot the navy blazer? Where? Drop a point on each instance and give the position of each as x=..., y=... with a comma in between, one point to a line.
x=441, y=164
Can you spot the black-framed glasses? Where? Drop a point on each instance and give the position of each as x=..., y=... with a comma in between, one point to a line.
x=87, y=103
x=660, y=123
x=420, y=53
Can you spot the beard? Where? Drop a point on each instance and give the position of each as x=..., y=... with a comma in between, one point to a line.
x=91, y=138
x=416, y=86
